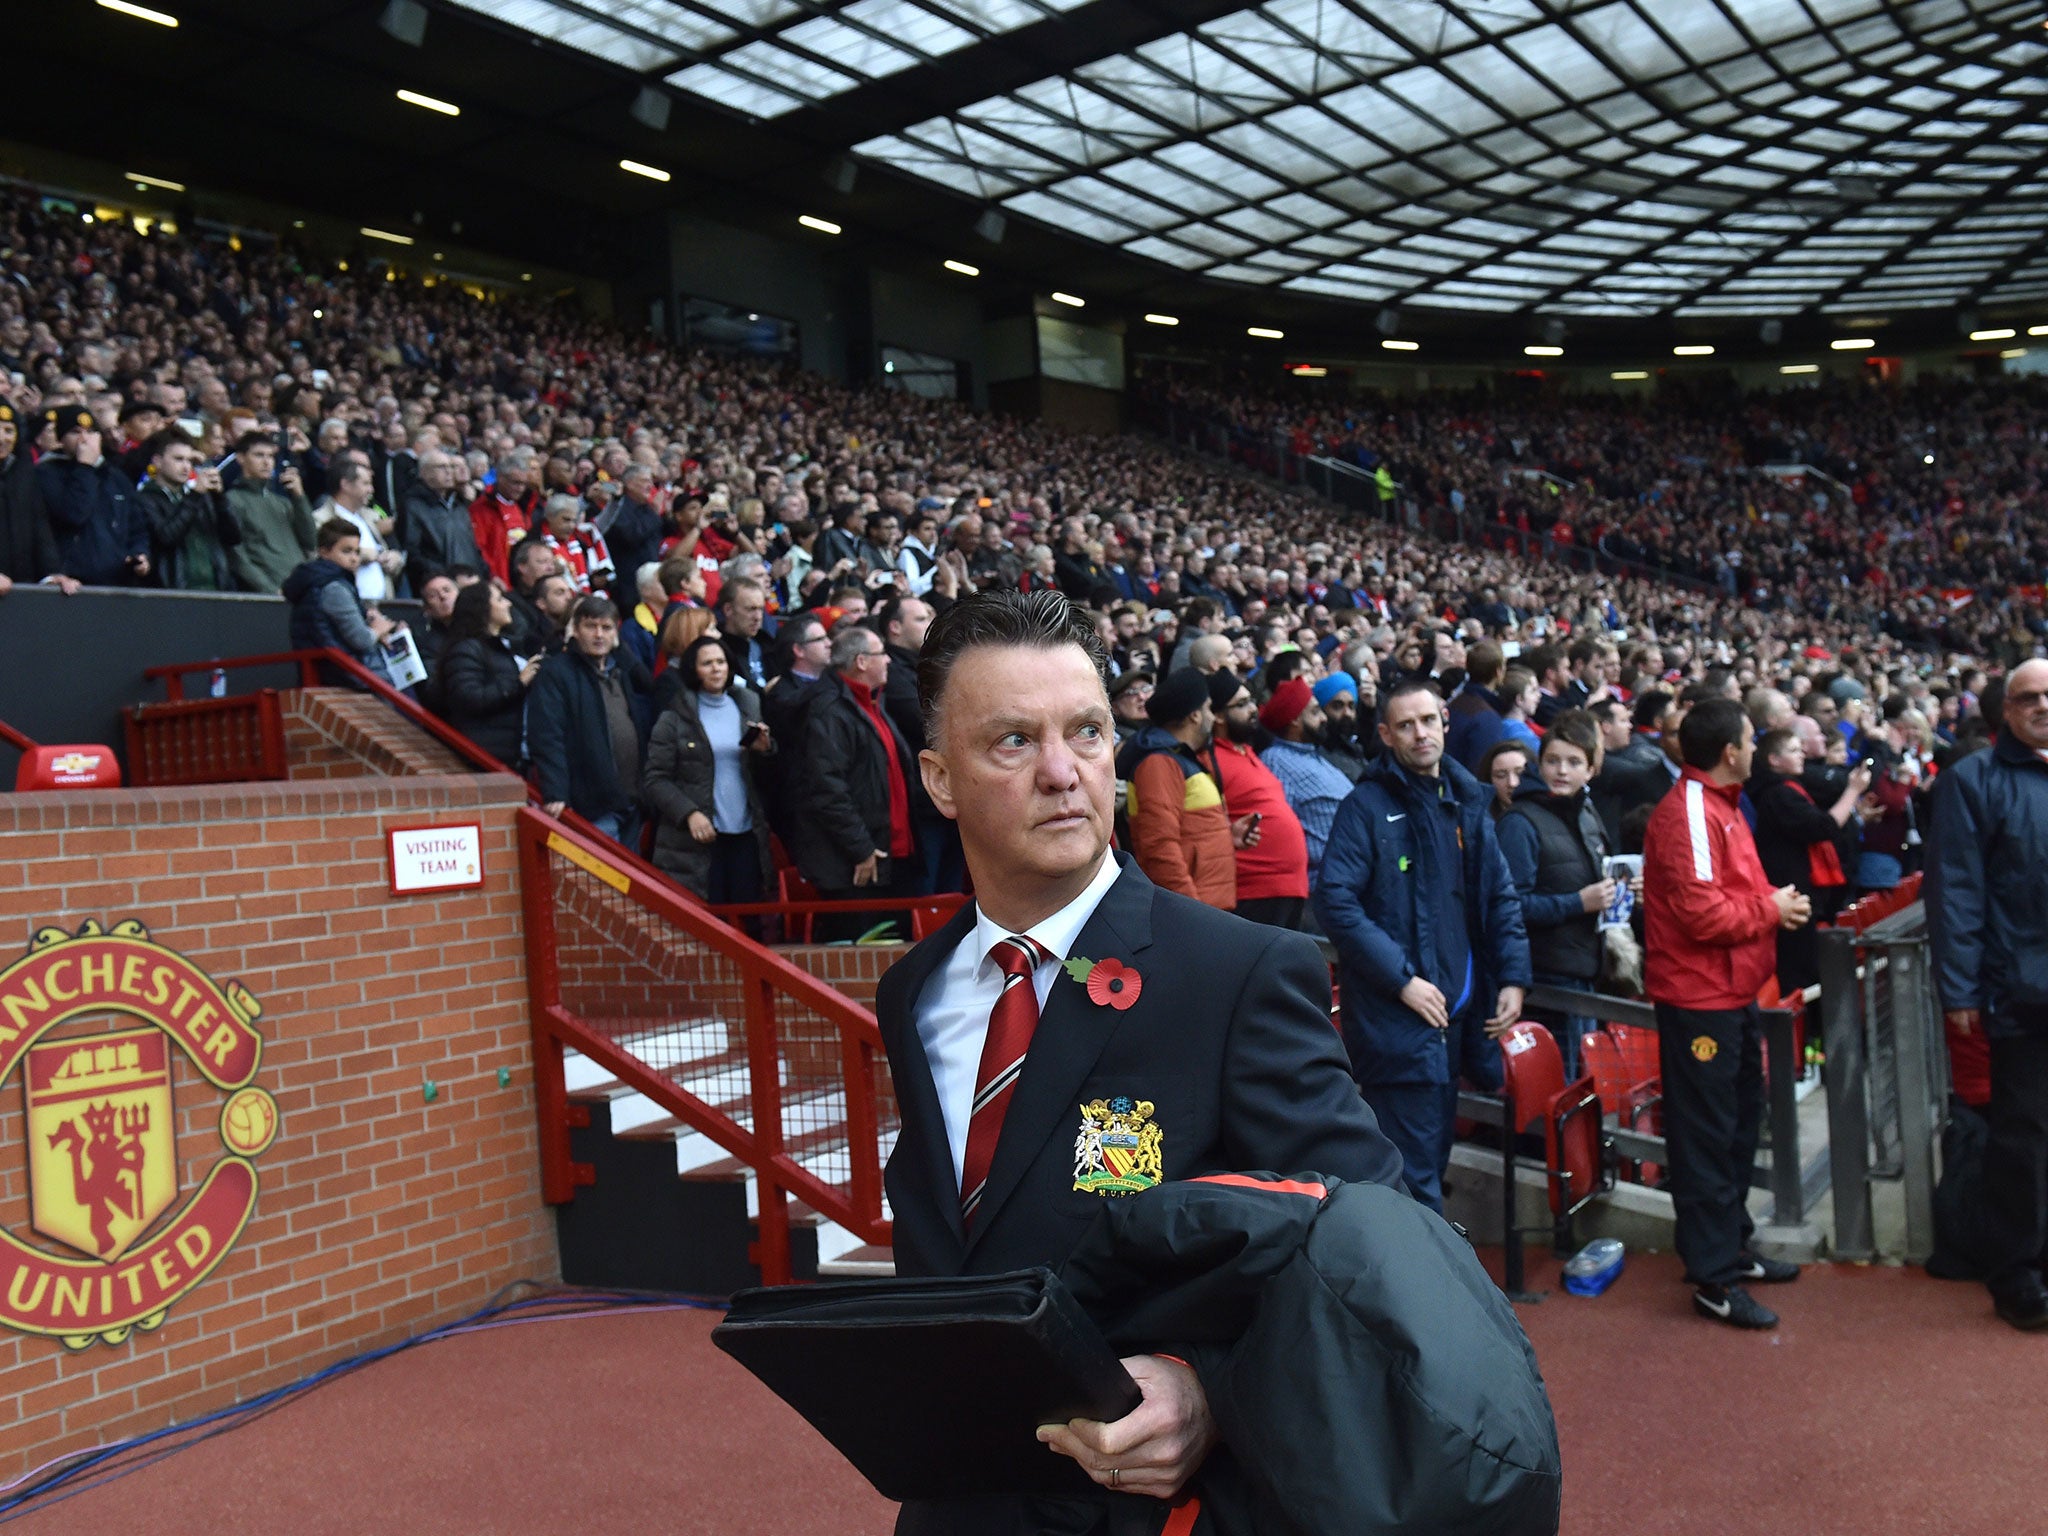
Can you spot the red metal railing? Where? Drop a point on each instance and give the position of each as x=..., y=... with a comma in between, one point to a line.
x=731, y=1040
x=206, y=741
x=736, y=1044
x=15, y=739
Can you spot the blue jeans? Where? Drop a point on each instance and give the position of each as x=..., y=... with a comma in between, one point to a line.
x=1879, y=871
x=1574, y=1028
x=622, y=827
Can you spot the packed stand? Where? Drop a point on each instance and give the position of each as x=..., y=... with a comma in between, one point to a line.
x=686, y=594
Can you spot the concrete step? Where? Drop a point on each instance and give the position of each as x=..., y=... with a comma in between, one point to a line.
x=862, y=1263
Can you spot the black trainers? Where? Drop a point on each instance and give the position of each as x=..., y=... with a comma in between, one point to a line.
x=1758, y=1270
x=2026, y=1309
x=1732, y=1305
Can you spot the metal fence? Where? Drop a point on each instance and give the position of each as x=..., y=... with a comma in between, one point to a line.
x=1887, y=1077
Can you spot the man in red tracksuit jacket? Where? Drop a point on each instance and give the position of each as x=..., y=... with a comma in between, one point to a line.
x=1712, y=920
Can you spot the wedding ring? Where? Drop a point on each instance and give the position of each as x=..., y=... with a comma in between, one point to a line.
x=1116, y=1477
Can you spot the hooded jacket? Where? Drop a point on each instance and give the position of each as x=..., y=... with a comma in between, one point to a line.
x=28, y=547
x=1366, y=1377
x=1710, y=922
x=1382, y=900
x=1180, y=832
x=1985, y=911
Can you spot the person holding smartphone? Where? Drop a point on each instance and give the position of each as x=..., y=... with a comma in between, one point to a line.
x=711, y=831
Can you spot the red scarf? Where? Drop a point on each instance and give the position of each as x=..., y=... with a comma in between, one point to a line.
x=899, y=788
x=1824, y=864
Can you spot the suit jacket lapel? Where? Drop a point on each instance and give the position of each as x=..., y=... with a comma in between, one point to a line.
x=1069, y=1040
x=917, y=1096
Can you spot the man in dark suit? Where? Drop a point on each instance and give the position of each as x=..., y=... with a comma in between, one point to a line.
x=1161, y=1038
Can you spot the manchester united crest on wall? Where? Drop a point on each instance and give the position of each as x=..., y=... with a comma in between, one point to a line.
x=117, y=1248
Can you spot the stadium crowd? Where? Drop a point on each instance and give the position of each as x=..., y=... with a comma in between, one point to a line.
x=686, y=592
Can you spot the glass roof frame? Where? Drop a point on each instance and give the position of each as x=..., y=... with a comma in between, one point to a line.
x=1817, y=122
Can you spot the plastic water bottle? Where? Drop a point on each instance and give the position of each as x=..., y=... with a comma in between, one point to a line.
x=217, y=686
x=1594, y=1267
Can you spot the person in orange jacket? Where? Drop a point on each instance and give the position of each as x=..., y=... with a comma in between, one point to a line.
x=1180, y=834
x=1712, y=919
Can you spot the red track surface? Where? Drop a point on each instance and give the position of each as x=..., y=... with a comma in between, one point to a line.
x=1887, y=1403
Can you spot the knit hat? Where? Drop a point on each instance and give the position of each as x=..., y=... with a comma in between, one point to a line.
x=1334, y=684
x=1176, y=696
x=68, y=418
x=1286, y=705
x=1223, y=687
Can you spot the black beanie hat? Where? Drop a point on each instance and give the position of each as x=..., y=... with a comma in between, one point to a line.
x=1176, y=696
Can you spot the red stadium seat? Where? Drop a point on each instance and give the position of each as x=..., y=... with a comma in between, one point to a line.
x=1629, y=1087
x=792, y=886
x=1574, y=1144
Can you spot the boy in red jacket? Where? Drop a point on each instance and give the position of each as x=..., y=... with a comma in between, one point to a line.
x=1711, y=924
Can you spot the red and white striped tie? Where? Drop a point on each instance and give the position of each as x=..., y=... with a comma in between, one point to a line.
x=1010, y=1025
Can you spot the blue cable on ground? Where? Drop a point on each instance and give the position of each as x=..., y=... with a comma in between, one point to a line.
x=581, y=1301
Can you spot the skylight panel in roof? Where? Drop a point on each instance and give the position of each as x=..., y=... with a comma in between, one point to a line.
x=1470, y=302
x=1170, y=252
x=1379, y=115
x=1167, y=189
x=1436, y=96
x=1509, y=184
x=1071, y=217
x=1337, y=290
x=788, y=72
x=1117, y=202
x=750, y=13
x=1302, y=144
x=751, y=97
x=1619, y=32
x=1303, y=209
x=653, y=35
x=1325, y=246
x=1258, y=224
x=1558, y=59
x=1205, y=164
x=1364, y=197
x=1501, y=80
x=861, y=52
x=1594, y=244
x=1218, y=242
x=1703, y=32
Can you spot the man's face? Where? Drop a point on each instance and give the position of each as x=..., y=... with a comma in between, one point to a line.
x=871, y=667
x=439, y=473
x=1024, y=761
x=595, y=637
x=810, y=652
x=744, y=611
x=333, y=437
x=1825, y=713
x=856, y=608
x=554, y=597
x=562, y=518
x=2026, y=705
x=1413, y=730
x=1614, y=729
x=347, y=553
x=174, y=464
x=639, y=487
x=1745, y=757
x=912, y=623
x=1130, y=704
x=438, y=598
x=1340, y=717
x=1565, y=768
x=1667, y=732
x=1240, y=718
x=143, y=425
x=1312, y=720
x=1126, y=627
x=259, y=462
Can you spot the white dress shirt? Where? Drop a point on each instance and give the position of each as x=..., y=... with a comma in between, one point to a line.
x=953, y=1010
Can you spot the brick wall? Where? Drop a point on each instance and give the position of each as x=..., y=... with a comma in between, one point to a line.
x=337, y=733
x=379, y=1213
x=855, y=969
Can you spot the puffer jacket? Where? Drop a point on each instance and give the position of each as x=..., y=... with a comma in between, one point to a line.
x=1381, y=899
x=1710, y=923
x=1987, y=912
x=1365, y=1375
x=681, y=776
x=1180, y=832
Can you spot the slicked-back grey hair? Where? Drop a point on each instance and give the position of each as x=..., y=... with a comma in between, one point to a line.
x=1042, y=621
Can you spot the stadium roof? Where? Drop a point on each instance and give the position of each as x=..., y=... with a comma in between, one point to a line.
x=1570, y=157
x=1619, y=157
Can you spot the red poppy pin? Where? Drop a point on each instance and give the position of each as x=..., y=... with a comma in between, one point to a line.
x=1110, y=983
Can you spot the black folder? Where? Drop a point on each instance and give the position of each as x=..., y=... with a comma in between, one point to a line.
x=935, y=1388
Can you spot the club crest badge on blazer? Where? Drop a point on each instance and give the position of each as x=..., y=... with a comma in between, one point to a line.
x=1118, y=1150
